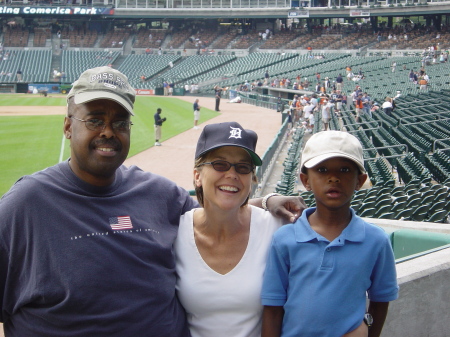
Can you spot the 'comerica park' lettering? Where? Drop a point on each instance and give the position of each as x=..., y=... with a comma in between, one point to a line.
x=59, y=10
x=50, y=10
x=54, y=10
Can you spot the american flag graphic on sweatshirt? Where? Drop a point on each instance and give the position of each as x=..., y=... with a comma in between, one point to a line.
x=120, y=222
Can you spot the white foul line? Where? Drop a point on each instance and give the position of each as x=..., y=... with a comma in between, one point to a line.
x=61, y=152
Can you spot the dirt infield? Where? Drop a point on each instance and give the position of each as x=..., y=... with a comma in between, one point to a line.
x=31, y=110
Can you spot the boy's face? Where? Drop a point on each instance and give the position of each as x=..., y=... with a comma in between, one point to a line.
x=333, y=182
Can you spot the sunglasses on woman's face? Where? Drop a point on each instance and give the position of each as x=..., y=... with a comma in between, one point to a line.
x=223, y=166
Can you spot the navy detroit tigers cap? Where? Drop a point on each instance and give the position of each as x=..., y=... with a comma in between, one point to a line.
x=227, y=134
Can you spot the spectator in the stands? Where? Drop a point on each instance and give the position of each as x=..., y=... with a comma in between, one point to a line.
x=423, y=83
x=366, y=104
x=19, y=75
x=375, y=107
x=339, y=82
x=339, y=100
x=306, y=83
x=318, y=87
x=387, y=106
x=359, y=108
x=345, y=101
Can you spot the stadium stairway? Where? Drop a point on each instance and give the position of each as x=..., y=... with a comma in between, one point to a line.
x=118, y=61
x=56, y=64
x=128, y=47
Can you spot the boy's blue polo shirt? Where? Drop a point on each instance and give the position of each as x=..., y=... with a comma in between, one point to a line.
x=322, y=285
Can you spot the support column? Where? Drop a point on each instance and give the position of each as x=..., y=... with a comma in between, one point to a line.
x=437, y=22
x=390, y=21
x=374, y=23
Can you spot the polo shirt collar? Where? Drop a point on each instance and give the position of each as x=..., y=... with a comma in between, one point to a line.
x=355, y=231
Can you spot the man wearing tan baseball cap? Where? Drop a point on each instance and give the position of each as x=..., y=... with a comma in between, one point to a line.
x=94, y=253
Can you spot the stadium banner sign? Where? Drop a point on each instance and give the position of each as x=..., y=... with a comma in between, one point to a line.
x=50, y=88
x=298, y=14
x=29, y=10
x=359, y=13
x=145, y=92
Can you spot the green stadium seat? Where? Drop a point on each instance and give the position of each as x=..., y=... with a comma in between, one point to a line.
x=368, y=212
x=388, y=215
x=405, y=214
x=439, y=216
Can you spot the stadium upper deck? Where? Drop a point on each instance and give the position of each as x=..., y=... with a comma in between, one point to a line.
x=228, y=8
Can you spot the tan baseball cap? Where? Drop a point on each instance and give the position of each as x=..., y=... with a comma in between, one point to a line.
x=330, y=144
x=103, y=83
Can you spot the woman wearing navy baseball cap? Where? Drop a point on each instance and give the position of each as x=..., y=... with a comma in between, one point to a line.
x=221, y=249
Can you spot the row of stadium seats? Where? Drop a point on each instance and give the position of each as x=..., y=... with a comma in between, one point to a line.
x=34, y=65
x=425, y=195
x=136, y=66
x=73, y=63
x=287, y=183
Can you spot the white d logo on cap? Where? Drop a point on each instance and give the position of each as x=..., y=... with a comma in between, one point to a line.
x=235, y=133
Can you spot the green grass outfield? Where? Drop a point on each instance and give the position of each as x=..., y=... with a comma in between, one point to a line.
x=32, y=143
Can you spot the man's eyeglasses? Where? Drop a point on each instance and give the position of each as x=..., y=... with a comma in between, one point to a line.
x=223, y=166
x=95, y=124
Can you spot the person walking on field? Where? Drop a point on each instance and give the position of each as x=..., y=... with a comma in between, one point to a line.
x=196, y=113
x=158, y=123
x=218, y=92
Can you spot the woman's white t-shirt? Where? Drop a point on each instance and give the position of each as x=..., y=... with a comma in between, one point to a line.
x=386, y=105
x=224, y=305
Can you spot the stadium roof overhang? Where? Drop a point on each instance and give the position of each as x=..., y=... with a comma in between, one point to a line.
x=434, y=8
x=314, y=12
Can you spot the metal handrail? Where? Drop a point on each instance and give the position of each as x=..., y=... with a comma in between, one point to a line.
x=418, y=106
x=393, y=156
x=439, y=141
x=390, y=146
x=424, y=115
x=419, y=100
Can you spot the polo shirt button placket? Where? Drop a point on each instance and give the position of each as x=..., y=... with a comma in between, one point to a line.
x=328, y=259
